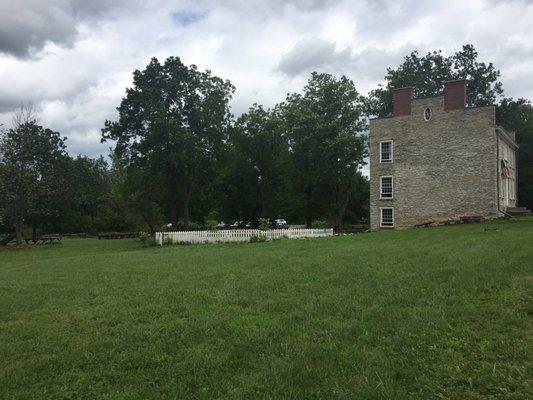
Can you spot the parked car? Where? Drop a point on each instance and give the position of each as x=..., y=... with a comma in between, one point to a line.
x=252, y=224
x=280, y=223
x=222, y=225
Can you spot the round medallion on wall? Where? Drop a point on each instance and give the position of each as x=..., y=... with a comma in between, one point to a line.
x=427, y=114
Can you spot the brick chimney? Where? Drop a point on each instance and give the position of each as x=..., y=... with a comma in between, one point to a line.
x=401, y=101
x=455, y=95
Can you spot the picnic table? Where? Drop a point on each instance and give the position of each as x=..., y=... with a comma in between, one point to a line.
x=49, y=239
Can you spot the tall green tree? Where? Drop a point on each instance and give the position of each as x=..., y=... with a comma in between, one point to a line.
x=324, y=126
x=174, y=119
x=30, y=155
x=517, y=116
x=258, y=137
x=427, y=75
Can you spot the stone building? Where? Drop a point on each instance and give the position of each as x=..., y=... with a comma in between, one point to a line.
x=438, y=160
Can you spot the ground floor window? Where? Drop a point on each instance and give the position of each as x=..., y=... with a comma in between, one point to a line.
x=387, y=217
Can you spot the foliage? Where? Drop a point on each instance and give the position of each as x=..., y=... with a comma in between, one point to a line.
x=324, y=126
x=147, y=240
x=427, y=75
x=210, y=225
x=259, y=149
x=173, y=124
x=264, y=224
x=85, y=184
x=355, y=317
x=258, y=238
x=320, y=223
x=31, y=157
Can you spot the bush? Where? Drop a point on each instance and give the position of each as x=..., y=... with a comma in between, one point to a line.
x=258, y=239
x=210, y=225
x=320, y=224
x=213, y=215
x=194, y=226
x=147, y=240
x=264, y=224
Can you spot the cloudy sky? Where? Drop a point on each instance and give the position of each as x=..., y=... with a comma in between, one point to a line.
x=73, y=59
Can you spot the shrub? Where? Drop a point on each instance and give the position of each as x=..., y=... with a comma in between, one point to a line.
x=320, y=223
x=194, y=226
x=258, y=238
x=264, y=224
x=210, y=225
x=147, y=240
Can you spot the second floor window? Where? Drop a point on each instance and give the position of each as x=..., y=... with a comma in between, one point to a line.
x=386, y=187
x=385, y=151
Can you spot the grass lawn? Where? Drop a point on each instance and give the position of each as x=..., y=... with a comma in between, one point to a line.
x=428, y=313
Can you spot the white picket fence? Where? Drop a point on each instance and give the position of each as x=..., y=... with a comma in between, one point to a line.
x=237, y=235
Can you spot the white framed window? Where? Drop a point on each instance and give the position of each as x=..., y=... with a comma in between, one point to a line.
x=386, y=217
x=386, y=151
x=386, y=187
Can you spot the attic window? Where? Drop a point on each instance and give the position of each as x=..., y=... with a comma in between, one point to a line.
x=427, y=114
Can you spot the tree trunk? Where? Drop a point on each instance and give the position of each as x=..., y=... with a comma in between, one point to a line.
x=187, y=194
x=264, y=190
x=18, y=229
x=337, y=222
x=151, y=229
x=264, y=205
x=173, y=206
x=341, y=201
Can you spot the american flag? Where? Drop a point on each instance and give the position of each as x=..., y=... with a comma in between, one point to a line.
x=504, y=169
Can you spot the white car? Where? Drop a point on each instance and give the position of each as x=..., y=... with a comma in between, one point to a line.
x=280, y=223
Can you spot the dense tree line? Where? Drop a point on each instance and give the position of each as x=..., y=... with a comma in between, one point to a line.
x=299, y=160
x=43, y=189
x=180, y=157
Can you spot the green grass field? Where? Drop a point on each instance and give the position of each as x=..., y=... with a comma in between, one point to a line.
x=429, y=313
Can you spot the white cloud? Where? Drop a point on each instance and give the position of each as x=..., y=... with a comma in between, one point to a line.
x=73, y=59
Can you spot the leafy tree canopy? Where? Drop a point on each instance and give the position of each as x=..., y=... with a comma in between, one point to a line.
x=30, y=156
x=427, y=75
x=324, y=126
x=174, y=119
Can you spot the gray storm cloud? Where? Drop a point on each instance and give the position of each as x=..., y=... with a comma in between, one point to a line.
x=27, y=25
